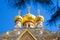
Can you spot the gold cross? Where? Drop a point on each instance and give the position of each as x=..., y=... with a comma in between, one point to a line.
x=18, y=12
x=38, y=11
x=29, y=10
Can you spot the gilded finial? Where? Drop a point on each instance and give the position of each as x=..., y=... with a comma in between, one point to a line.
x=18, y=17
x=18, y=12
x=29, y=10
x=38, y=11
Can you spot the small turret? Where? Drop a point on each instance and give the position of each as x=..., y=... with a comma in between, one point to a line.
x=29, y=20
x=39, y=20
x=18, y=21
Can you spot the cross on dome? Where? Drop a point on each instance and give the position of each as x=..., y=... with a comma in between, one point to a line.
x=19, y=12
x=29, y=10
x=38, y=11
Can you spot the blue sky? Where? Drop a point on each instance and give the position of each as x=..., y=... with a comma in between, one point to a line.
x=7, y=14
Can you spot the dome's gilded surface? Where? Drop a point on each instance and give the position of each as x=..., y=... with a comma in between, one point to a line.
x=28, y=18
x=39, y=18
x=18, y=18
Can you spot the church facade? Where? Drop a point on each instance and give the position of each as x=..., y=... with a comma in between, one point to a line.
x=30, y=31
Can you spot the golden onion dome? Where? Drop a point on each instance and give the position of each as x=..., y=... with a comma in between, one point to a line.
x=28, y=18
x=39, y=17
x=18, y=18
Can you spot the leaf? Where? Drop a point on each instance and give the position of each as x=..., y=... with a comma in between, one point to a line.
x=45, y=2
x=54, y=17
x=17, y=3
